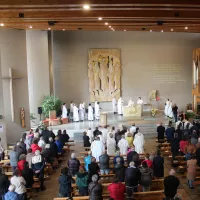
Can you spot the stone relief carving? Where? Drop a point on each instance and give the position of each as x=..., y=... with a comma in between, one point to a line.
x=104, y=73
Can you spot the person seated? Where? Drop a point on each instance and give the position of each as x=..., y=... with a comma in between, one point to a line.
x=161, y=133
x=146, y=177
x=119, y=170
x=118, y=156
x=29, y=156
x=183, y=143
x=19, y=183
x=53, y=148
x=65, y=183
x=148, y=161
x=86, y=140
x=4, y=183
x=11, y=194
x=82, y=181
x=132, y=178
x=27, y=174
x=64, y=137
x=87, y=160
x=59, y=145
x=73, y=164
x=117, y=190
x=104, y=160
x=95, y=189
x=20, y=164
x=158, y=166
x=93, y=168
x=35, y=146
x=189, y=150
x=42, y=143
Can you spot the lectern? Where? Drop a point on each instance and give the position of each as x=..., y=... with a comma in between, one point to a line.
x=103, y=119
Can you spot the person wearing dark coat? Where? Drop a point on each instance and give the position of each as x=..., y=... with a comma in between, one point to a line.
x=194, y=127
x=158, y=166
x=27, y=174
x=4, y=184
x=133, y=156
x=73, y=164
x=118, y=136
x=93, y=168
x=96, y=132
x=86, y=140
x=161, y=132
x=119, y=170
x=65, y=183
x=53, y=148
x=198, y=156
x=118, y=156
x=82, y=181
x=19, y=149
x=175, y=146
x=170, y=132
x=64, y=136
x=179, y=132
x=95, y=189
x=132, y=178
x=59, y=145
x=47, y=154
x=104, y=163
x=46, y=135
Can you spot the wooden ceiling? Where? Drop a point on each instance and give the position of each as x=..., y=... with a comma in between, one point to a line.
x=129, y=15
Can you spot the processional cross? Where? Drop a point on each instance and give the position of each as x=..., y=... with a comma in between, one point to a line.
x=11, y=77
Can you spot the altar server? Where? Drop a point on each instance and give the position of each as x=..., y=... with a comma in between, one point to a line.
x=114, y=104
x=71, y=107
x=120, y=106
x=140, y=101
x=97, y=111
x=97, y=148
x=111, y=144
x=123, y=145
x=82, y=111
x=64, y=111
x=75, y=113
x=90, y=113
x=166, y=107
x=139, y=142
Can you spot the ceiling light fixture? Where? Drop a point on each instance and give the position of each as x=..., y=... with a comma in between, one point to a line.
x=106, y=23
x=110, y=26
x=100, y=18
x=86, y=7
x=63, y=29
x=162, y=31
x=150, y=30
x=124, y=29
x=2, y=24
x=172, y=29
x=186, y=28
x=49, y=28
x=30, y=27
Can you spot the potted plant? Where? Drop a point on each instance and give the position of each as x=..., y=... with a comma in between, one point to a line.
x=50, y=106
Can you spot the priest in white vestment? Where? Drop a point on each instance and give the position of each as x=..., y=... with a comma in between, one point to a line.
x=90, y=113
x=114, y=104
x=90, y=135
x=104, y=134
x=82, y=112
x=139, y=143
x=97, y=111
x=111, y=144
x=166, y=107
x=97, y=148
x=133, y=129
x=64, y=111
x=120, y=106
x=75, y=114
x=140, y=101
x=123, y=145
x=170, y=112
x=72, y=107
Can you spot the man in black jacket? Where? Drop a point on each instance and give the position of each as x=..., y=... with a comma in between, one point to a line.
x=175, y=146
x=132, y=178
x=104, y=163
x=133, y=156
x=4, y=184
x=73, y=164
x=161, y=132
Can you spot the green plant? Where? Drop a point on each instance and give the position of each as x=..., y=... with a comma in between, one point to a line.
x=51, y=103
x=190, y=115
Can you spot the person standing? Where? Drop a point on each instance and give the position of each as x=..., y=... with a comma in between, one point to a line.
x=140, y=101
x=97, y=148
x=4, y=183
x=64, y=111
x=123, y=145
x=175, y=146
x=120, y=106
x=104, y=163
x=166, y=107
x=175, y=112
x=87, y=160
x=133, y=129
x=191, y=171
x=75, y=114
x=158, y=166
x=170, y=132
x=114, y=104
x=1, y=151
x=72, y=107
x=82, y=111
x=90, y=113
x=90, y=134
x=97, y=111
x=14, y=156
x=104, y=134
x=86, y=140
x=82, y=181
x=161, y=133
x=139, y=142
x=73, y=164
x=111, y=144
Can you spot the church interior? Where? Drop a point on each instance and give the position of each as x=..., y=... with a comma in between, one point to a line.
x=97, y=80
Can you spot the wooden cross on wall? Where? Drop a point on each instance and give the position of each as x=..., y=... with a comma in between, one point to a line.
x=11, y=77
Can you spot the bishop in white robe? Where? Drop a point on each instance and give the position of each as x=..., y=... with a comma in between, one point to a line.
x=90, y=113
x=123, y=145
x=139, y=143
x=97, y=149
x=120, y=106
x=114, y=104
x=97, y=111
x=111, y=144
x=64, y=111
x=75, y=114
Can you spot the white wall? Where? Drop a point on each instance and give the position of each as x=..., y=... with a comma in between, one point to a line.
x=38, y=68
x=140, y=52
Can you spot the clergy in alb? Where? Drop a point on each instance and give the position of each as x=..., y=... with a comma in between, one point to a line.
x=97, y=111
x=114, y=104
x=166, y=107
x=71, y=107
x=123, y=145
x=139, y=142
x=97, y=148
x=90, y=113
x=140, y=101
x=64, y=111
x=111, y=144
x=120, y=106
x=75, y=114
x=82, y=111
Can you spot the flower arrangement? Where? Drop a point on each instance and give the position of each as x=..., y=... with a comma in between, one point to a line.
x=153, y=112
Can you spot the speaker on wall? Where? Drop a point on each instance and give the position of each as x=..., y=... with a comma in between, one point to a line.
x=39, y=110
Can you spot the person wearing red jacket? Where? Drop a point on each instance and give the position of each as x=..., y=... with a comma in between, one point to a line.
x=148, y=161
x=116, y=190
x=22, y=160
x=35, y=146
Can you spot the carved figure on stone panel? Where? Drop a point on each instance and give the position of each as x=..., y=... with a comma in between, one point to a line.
x=22, y=116
x=104, y=74
x=91, y=77
x=117, y=75
x=111, y=76
x=96, y=76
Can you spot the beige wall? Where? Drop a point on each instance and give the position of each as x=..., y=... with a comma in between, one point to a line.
x=13, y=55
x=140, y=52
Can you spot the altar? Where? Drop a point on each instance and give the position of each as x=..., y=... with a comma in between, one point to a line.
x=132, y=111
